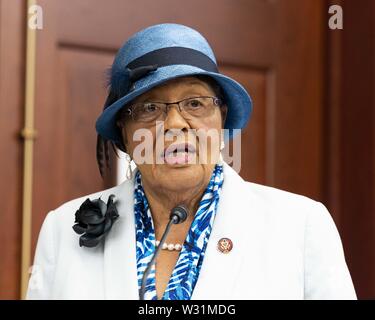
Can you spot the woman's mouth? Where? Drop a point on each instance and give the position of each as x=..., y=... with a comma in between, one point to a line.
x=179, y=153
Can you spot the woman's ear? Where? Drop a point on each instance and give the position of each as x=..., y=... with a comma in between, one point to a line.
x=224, y=111
x=120, y=123
x=124, y=139
x=122, y=130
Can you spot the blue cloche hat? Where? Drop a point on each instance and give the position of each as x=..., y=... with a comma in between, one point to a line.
x=160, y=53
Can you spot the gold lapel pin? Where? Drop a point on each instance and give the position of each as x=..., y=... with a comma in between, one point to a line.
x=225, y=245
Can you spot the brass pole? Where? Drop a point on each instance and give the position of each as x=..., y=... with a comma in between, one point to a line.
x=29, y=134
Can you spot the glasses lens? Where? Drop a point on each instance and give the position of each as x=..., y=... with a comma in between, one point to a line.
x=147, y=111
x=199, y=106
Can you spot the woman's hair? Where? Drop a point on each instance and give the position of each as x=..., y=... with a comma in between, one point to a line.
x=102, y=150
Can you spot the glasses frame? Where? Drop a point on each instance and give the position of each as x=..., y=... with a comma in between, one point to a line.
x=130, y=110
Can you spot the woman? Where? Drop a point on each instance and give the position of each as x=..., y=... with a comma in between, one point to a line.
x=240, y=240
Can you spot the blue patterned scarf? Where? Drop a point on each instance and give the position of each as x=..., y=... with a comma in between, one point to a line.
x=185, y=274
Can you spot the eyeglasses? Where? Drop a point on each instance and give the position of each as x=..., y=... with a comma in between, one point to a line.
x=195, y=107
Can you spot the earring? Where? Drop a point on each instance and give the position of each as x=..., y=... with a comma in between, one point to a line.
x=222, y=145
x=221, y=160
x=129, y=172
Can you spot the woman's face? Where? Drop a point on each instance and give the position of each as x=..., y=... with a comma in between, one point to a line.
x=180, y=169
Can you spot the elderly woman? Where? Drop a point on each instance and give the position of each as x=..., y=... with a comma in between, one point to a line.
x=184, y=225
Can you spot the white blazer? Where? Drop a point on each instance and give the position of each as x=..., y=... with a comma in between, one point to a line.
x=285, y=246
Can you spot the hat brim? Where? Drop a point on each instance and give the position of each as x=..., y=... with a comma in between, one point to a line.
x=237, y=99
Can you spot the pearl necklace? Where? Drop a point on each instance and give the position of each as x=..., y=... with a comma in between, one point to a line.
x=170, y=246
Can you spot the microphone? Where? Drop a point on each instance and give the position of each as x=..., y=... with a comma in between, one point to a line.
x=178, y=215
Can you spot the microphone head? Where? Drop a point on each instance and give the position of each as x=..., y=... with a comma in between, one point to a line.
x=179, y=214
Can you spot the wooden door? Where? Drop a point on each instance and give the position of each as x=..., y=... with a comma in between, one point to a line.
x=274, y=48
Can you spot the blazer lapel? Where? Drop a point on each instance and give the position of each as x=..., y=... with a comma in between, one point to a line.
x=120, y=268
x=221, y=272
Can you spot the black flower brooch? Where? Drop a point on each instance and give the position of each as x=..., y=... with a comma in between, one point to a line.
x=94, y=219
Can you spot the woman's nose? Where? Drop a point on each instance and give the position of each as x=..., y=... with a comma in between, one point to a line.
x=174, y=119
